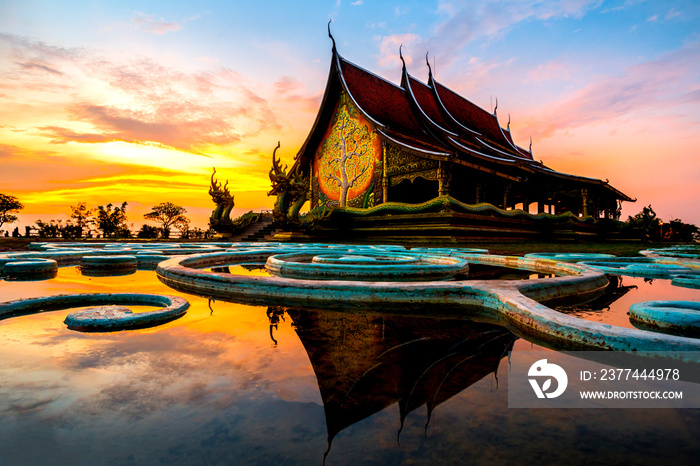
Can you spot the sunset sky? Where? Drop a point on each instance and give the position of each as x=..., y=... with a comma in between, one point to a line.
x=136, y=101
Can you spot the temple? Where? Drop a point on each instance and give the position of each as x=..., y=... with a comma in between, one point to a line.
x=420, y=162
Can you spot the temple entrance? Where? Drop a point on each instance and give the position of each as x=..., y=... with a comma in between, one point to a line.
x=414, y=192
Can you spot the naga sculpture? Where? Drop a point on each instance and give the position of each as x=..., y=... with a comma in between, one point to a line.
x=224, y=203
x=291, y=189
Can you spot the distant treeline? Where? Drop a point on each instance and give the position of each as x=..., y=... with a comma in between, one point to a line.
x=105, y=221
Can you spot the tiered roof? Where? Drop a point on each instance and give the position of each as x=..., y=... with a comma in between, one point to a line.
x=432, y=121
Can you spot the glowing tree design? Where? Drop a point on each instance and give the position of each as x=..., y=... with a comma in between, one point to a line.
x=347, y=154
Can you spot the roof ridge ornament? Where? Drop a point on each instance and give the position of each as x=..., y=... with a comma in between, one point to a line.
x=495, y=109
x=508, y=127
x=430, y=70
x=530, y=145
x=401, y=57
x=331, y=36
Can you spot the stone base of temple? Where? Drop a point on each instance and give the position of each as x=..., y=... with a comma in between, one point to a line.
x=443, y=223
x=293, y=237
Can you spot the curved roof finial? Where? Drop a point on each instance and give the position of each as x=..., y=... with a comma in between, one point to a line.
x=530, y=144
x=495, y=109
x=508, y=127
x=401, y=56
x=430, y=70
x=331, y=35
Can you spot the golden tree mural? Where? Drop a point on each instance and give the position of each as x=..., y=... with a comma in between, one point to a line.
x=347, y=155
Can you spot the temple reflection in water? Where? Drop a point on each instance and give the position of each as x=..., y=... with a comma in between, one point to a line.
x=365, y=362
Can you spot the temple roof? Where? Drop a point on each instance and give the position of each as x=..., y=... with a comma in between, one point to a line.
x=433, y=121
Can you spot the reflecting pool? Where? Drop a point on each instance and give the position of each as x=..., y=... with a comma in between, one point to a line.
x=231, y=383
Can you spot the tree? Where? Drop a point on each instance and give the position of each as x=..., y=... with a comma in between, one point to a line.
x=51, y=229
x=9, y=205
x=70, y=230
x=646, y=223
x=112, y=222
x=682, y=232
x=184, y=228
x=168, y=215
x=83, y=217
x=147, y=231
x=347, y=155
x=196, y=233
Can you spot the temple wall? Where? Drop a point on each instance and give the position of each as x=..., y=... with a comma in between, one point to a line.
x=347, y=163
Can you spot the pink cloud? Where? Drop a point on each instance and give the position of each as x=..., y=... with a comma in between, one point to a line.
x=287, y=84
x=672, y=13
x=39, y=66
x=389, y=49
x=149, y=23
x=286, y=87
x=26, y=50
x=34, y=65
x=551, y=70
x=656, y=85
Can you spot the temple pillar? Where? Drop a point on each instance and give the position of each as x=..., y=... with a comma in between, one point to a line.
x=540, y=207
x=313, y=198
x=506, y=192
x=443, y=180
x=584, y=202
x=385, y=178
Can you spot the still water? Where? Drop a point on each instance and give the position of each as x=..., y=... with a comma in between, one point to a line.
x=236, y=384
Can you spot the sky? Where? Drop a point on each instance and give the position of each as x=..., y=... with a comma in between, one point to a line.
x=105, y=102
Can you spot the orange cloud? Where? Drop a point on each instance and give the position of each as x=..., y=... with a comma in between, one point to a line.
x=148, y=102
x=170, y=128
x=8, y=150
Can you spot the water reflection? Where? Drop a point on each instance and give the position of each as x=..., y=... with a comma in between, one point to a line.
x=613, y=292
x=613, y=305
x=476, y=272
x=245, y=268
x=238, y=384
x=274, y=314
x=108, y=273
x=365, y=362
